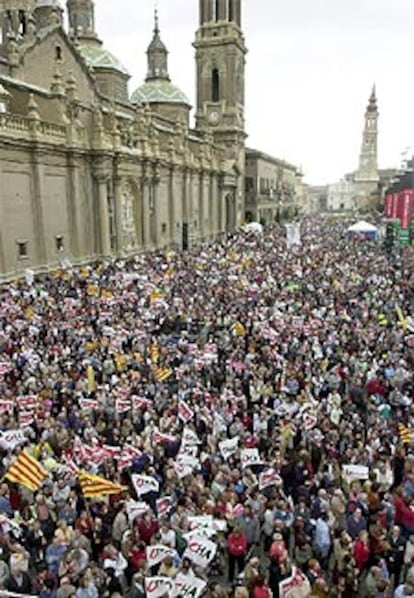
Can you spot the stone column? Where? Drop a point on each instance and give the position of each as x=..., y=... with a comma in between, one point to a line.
x=74, y=224
x=103, y=208
x=222, y=10
x=237, y=11
x=146, y=215
x=211, y=207
x=118, y=214
x=155, y=184
x=37, y=208
x=171, y=207
x=201, y=206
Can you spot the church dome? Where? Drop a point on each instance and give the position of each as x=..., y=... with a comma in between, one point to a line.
x=97, y=57
x=160, y=91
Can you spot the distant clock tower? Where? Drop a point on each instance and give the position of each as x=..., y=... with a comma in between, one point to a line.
x=220, y=59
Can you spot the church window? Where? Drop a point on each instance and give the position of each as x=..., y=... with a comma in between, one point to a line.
x=22, y=250
x=22, y=23
x=217, y=10
x=215, y=85
x=58, y=53
x=164, y=228
x=60, y=245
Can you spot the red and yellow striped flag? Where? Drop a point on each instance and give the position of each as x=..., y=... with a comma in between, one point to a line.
x=93, y=485
x=154, y=353
x=406, y=435
x=162, y=373
x=28, y=472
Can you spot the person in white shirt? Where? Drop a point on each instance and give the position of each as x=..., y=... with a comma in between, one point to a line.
x=167, y=535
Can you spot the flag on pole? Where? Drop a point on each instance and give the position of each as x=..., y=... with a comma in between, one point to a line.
x=27, y=471
x=93, y=485
x=162, y=373
x=405, y=434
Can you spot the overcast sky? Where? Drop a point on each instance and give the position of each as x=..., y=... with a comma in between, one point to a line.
x=310, y=69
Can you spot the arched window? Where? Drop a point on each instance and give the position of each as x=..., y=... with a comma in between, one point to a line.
x=22, y=23
x=215, y=85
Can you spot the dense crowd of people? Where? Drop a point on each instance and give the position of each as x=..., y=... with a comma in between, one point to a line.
x=253, y=402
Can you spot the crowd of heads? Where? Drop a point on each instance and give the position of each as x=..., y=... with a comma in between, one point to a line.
x=265, y=389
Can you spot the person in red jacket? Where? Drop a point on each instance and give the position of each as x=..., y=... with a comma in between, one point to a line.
x=404, y=515
x=237, y=549
x=260, y=588
x=147, y=528
x=362, y=551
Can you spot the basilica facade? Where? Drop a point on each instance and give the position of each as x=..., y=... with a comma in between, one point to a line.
x=89, y=170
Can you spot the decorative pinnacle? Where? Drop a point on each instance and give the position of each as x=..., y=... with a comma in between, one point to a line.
x=156, y=22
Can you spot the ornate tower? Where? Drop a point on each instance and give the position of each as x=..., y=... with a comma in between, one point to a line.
x=220, y=61
x=368, y=158
x=220, y=58
x=157, y=55
x=81, y=19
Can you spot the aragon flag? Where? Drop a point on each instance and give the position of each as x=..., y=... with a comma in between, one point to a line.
x=93, y=485
x=27, y=471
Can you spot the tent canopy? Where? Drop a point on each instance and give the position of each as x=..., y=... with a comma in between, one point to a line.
x=362, y=227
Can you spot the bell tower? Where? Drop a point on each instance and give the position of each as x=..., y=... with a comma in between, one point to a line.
x=368, y=158
x=220, y=60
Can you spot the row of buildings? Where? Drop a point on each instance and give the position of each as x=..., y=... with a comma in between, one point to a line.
x=90, y=170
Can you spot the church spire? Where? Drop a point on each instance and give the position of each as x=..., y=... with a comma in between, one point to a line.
x=368, y=158
x=157, y=54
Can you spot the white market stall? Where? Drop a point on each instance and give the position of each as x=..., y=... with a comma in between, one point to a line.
x=364, y=230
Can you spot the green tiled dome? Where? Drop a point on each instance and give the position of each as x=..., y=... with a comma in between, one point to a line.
x=159, y=91
x=97, y=57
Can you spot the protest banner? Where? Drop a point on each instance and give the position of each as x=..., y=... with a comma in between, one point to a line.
x=185, y=413
x=269, y=478
x=188, y=586
x=158, y=586
x=157, y=553
x=228, y=447
x=250, y=457
x=297, y=584
x=353, y=472
x=136, y=509
x=9, y=439
x=144, y=484
x=200, y=550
